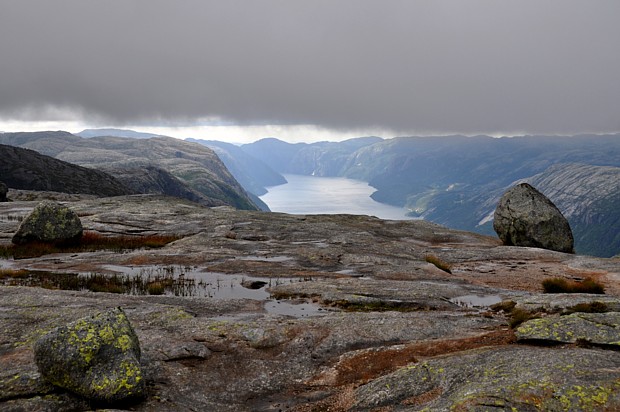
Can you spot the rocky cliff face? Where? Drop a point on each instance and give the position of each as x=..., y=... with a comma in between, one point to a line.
x=154, y=180
x=253, y=174
x=29, y=170
x=318, y=313
x=196, y=166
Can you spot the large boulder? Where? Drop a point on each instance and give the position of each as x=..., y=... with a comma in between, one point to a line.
x=96, y=357
x=3, y=192
x=49, y=222
x=526, y=217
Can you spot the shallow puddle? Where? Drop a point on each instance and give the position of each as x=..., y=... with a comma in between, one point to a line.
x=266, y=258
x=199, y=283
x=183, y=281
x=476, y=301
x=295, y=309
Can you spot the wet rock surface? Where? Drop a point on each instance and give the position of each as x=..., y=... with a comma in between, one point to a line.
x=382, y=319
x=526, y=217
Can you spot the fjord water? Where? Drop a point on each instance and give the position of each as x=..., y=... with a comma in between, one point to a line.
x=328, y=195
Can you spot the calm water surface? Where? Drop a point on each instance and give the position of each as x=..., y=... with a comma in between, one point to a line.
x=307, y=195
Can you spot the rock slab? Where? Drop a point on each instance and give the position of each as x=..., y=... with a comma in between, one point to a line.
x=513, y=378
x=96, y=357
x=49, y=222
x=596, y=328
x=526, y=217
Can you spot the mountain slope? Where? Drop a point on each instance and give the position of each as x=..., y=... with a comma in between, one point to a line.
x=317, y=159
x=193, y=164
x=153, y=180
x=253, y=174
x=28, y=170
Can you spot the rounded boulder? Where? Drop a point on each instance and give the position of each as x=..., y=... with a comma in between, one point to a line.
x=526, y=217
x=96, y=357
x=49, y=222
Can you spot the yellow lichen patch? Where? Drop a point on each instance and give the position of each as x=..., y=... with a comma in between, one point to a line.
x=83, y=336
x=123, y=343
x=124, y=382
x=106, y=334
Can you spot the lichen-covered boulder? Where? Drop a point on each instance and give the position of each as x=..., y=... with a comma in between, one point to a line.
x=49, y=222
x=526, y=217
x=596, y=328
x=3, y=191
x=96, y=357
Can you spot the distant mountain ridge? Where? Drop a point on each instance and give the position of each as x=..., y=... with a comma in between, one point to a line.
x=88, y=133
x=315, y=159
x=259, y=165
x=196, y=166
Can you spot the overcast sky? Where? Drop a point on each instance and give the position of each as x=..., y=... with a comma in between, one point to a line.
x=312, y=69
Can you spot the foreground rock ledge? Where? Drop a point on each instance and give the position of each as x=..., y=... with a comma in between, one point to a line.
x=96, y=357
x=509, y=379
x=222, y=355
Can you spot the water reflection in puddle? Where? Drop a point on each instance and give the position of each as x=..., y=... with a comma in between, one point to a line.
x=198, y=283
x=266, y=259
x=476, y=301
x=291, y=308
x=182, y=281
x=224, y=286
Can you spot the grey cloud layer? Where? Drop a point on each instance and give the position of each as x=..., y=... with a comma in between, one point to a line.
x=447, y=66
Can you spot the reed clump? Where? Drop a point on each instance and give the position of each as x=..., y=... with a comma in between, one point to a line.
x=561, y=285
x=440, y=264
x=90, y=241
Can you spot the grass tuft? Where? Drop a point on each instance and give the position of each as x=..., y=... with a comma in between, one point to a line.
x=518, y=316
x=440, y=264
x=590, y=307
x=13, y=273
x=561, y=285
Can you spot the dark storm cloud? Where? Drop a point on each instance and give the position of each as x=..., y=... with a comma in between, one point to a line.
x=445, y=66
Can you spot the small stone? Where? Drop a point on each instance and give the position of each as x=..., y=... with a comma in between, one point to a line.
x=526, y=217
x=49, y=222
x=96, y=357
